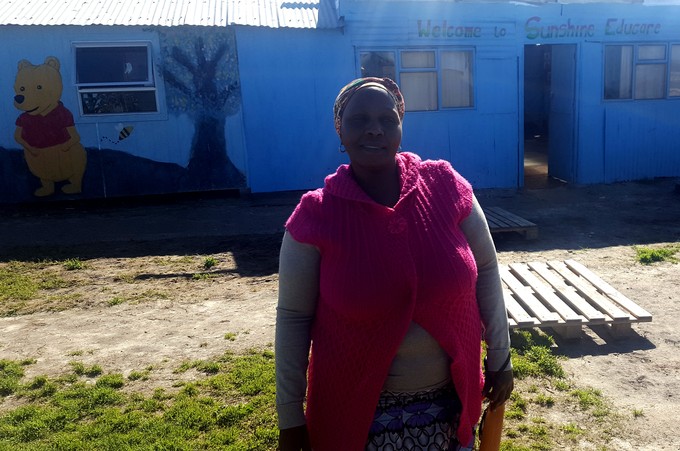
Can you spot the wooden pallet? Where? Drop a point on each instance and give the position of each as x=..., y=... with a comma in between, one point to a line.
x=501, y=220
x=565, y=296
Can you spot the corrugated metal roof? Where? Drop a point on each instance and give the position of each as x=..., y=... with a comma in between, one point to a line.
x=262, y=13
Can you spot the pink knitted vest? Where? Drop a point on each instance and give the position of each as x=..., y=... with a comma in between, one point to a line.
x=382, y=268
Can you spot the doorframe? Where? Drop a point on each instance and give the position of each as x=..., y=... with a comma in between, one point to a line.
x=575, y=109
x=573, y=152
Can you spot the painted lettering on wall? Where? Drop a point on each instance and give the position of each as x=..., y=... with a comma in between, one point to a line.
x=534, y=29
x=619, y=26
x=429, y=30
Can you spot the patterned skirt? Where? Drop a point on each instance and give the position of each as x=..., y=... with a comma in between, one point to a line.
x=424, y=421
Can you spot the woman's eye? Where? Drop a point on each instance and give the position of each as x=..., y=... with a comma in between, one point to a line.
x=357, y=120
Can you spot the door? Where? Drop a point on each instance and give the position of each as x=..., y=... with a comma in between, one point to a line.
x=562, y=120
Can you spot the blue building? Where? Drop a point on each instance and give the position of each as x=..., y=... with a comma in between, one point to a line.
x=182, y=96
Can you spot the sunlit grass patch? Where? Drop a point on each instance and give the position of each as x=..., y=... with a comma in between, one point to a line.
x=232, y=409
x=29, y=286
x=209, y=262
x=531, y=355
x=16, y=283
x=11, y=373
x=73, y=264
x=649, y=255
x=80, y=369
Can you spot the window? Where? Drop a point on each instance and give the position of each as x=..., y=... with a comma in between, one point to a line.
x=378, y=64
x=618, y=74
x=430, y=79
x=419, y=80
x=115, y=79
x=456, y=79
x=674, y=83
x=640, y=71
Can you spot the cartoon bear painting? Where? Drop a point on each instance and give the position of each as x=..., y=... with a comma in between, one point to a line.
x=46, y=129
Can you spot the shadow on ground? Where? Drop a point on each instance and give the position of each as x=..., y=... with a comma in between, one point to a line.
x=251, y=226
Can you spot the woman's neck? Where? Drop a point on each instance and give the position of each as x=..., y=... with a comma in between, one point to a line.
x=383, y=186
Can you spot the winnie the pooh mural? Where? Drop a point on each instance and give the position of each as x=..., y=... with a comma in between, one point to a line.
x=46, y=129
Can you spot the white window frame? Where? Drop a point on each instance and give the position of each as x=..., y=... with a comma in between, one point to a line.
x=145, y=82
x=399, y=69
x=638, y=62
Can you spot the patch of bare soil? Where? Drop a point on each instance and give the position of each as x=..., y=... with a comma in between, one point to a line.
x=146, y=299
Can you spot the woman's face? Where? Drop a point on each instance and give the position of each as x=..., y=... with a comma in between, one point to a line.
x=371, y=128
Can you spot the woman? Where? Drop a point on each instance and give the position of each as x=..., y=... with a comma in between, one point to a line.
x=389, y=272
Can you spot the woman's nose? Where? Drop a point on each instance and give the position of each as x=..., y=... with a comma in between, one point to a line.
x=374, y=128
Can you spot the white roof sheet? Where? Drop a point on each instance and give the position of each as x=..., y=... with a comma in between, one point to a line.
x=263, y=13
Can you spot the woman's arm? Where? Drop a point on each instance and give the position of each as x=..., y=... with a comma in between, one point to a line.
x=298, y=294
x=491, y=306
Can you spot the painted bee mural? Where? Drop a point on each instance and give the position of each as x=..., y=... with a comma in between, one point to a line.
x=124, y=131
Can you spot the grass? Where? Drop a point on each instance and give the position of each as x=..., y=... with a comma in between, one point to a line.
x=47, y=285
x=81, y=370
x=139, y=375
x=116, y=300
x=73, y=264
x=15, y=283
x=546, y=411
x=230, y=409
x=209, y=262
x=649, y=255
x=23, y=282
x=227, y=403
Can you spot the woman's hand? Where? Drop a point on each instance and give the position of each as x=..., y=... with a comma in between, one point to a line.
x=498, y=386
x=294, y=439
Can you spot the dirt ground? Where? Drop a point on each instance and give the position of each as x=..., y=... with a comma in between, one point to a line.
x=155, y=251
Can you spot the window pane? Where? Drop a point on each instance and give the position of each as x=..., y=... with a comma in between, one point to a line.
x=650, y=81
x=417, y=60
x=651, y=52
x=118, y=102
x=456, y=79
x=675, y=71
x=420, y=90
x=618, y=71
x=112, y=64
x=378, y=64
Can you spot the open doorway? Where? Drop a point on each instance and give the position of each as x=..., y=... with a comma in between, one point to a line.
x=549, y=99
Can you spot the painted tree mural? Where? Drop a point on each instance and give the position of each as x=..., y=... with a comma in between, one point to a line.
x=200, y=68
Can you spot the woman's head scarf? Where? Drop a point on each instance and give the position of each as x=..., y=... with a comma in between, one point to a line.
x=352, y=87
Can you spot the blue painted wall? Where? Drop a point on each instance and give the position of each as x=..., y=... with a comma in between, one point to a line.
x=289, y=80
x=281, y=136
x=194, y=142
x=482, y=141
x=614, y=140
